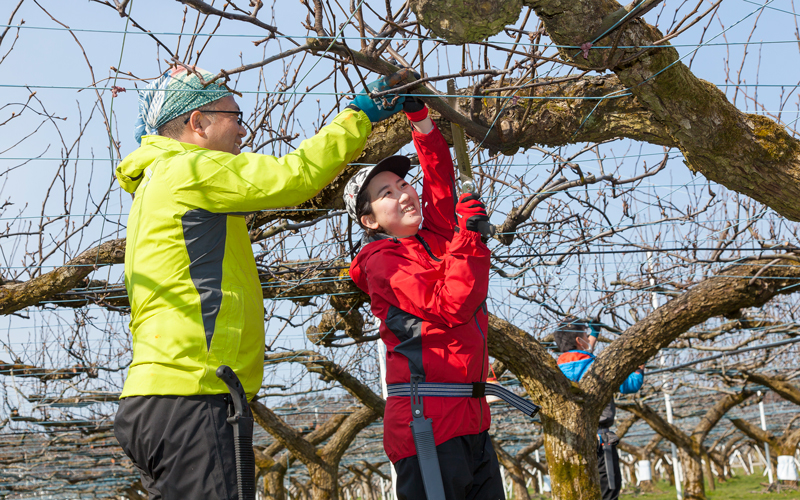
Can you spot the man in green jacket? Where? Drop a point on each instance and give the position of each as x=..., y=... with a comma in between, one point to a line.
x=196, y=300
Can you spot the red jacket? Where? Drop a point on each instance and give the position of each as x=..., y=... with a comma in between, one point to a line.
x=429, y=292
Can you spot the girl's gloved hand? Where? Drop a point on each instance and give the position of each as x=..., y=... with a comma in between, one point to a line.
x=471, y=211
x=415, y=109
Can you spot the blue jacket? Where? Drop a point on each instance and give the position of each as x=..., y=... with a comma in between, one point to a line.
x=575, y=363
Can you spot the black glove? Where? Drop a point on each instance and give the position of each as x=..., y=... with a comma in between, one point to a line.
x=471, y=211
x=415, y=109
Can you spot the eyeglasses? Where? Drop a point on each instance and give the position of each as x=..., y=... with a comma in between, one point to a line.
x=239, y=120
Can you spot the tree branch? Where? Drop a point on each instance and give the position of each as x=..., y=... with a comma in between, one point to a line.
x=712, y=297
x=21, y=295
x=205, y=8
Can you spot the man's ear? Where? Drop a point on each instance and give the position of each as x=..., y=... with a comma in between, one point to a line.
x=369, y=221
x=197, y=123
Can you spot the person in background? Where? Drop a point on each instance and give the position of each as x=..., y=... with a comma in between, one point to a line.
x=576, y=340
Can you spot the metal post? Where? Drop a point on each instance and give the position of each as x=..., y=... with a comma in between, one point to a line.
x=675, y=462
x=764, y=428
x=676, y=467
x=539, y=473
x=385, y=394
x=504, y=479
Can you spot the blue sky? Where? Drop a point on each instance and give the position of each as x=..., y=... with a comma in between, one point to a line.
x=47, y=56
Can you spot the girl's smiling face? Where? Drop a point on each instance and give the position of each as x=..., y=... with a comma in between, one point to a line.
x=395, y=206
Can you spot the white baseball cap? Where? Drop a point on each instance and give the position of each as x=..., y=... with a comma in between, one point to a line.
x=398, y=164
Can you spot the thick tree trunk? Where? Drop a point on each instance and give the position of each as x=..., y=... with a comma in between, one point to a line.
x=302, y=490
x=367, y=493
x=273, y=484
x=324, y=482
x=571, y=448
x=520, y=490
x=569, y=421
x=693, y=487
x=709, y=473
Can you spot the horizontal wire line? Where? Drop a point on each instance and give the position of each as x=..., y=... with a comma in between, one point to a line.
x=614, y=95
x=399, y=39
x=260, y=92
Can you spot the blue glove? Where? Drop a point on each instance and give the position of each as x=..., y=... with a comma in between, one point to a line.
x=376, y=109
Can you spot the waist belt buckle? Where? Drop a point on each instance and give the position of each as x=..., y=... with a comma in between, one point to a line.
x=478, y=389
x=416, y=399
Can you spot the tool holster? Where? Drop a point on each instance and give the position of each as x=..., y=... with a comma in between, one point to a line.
x=422, y=429
x=241, y=418
x=608, y=440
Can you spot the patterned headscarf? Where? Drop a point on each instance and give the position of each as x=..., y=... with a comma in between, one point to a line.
x=172, y=94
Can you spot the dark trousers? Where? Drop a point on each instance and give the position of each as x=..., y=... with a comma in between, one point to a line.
x=608, y=493
x=182, y=445
x=469, y=466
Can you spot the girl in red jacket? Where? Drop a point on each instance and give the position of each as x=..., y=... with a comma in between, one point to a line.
x=428, y=287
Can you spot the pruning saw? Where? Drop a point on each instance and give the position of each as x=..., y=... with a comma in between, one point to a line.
x=468, y=185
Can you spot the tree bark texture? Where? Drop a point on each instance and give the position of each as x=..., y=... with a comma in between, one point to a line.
x=708, y=473
x=273, y=481
x=693, y=485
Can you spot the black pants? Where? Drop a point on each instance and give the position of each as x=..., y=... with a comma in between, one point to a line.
x=469, y=466
x=608, y=493
x=182, y=445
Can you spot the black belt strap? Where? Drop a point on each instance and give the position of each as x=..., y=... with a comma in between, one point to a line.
x=474, y=390
x=422, y=429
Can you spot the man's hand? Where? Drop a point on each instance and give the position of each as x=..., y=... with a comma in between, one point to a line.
x=381, y=108
x=471, y=211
